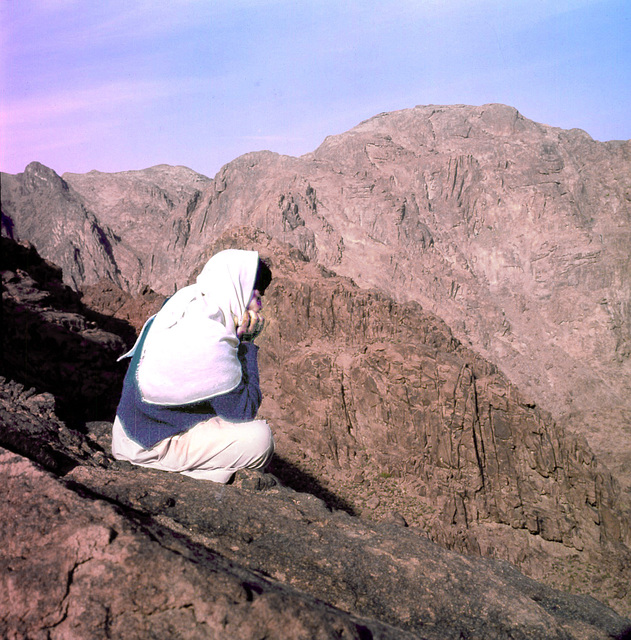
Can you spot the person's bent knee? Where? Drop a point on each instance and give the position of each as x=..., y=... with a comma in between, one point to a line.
x=259, y=443
x=262, y=440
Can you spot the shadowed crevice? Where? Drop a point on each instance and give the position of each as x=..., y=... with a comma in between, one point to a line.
x=302, y=481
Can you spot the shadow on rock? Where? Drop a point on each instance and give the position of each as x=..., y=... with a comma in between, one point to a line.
x=298, y=480
x=53, y=343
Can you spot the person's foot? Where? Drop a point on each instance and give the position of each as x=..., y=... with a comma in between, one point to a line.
x=253, y=479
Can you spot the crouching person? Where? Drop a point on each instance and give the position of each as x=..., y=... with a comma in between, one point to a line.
x=191, y=393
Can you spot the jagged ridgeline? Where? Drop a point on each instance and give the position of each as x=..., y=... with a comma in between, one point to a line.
x=452, y=391
x=514, y=233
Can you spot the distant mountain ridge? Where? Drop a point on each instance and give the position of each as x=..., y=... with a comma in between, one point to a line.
x=515, y=233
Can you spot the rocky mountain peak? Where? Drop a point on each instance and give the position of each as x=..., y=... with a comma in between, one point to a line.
x=38, y=176
x=513, y=232
x=401, y=435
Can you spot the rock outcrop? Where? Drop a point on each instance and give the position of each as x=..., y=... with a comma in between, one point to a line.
x=378, y=412
x=50, y=341
x=77, y=564
x=514, y=233
x=93, y=548
x=399, y=421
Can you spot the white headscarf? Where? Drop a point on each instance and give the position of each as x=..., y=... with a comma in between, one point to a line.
x=190, y=352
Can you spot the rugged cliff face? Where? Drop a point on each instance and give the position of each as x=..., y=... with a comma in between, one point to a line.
x=514, y=233
x=96, y=548
x=395, y=417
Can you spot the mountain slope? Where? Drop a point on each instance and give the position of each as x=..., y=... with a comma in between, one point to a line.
x=515, y=233
x=96, y=548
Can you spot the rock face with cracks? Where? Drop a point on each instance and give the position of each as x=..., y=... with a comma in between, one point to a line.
x=97, y=548
x=514, y=233
x=105, y=550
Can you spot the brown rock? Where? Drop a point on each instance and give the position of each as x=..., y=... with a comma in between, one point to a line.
x=51, y=341
x=74, y=566
x=514, y=233
x=111, y=550
x=355, y=383
x=96, y=548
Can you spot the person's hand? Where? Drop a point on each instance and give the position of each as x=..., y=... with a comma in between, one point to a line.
x=250, y=325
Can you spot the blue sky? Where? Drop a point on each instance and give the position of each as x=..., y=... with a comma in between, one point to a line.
x=125, y=84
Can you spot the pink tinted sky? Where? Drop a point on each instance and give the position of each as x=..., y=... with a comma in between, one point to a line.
x=127, y=84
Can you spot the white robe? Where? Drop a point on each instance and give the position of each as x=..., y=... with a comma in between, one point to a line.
x=193, y=339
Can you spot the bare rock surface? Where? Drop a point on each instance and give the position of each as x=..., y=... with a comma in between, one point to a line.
x=396, y=420
x=378, y=411
x=74, y=565
x=101, y=549
x=40, y=207
x=52, y=342
x=515, y=233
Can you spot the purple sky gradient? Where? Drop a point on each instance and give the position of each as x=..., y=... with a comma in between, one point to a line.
x=123, y=84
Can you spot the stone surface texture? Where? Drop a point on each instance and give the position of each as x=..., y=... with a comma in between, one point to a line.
x=97, y=548
x=100, y=549
x=514, y=233
x=470, y=396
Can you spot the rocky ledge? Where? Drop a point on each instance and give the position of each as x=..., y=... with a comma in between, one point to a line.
x=95, y=548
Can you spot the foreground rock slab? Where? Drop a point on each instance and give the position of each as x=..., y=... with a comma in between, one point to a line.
x=77, y=567
x=107, y=550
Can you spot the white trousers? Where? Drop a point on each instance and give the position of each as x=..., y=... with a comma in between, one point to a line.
x=212, y=450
